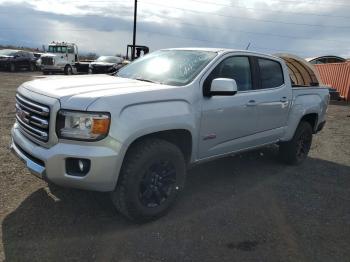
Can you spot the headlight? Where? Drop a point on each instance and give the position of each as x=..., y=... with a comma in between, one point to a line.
x=77, y=125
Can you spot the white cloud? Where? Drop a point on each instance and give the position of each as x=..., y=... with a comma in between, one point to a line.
x=105, y=26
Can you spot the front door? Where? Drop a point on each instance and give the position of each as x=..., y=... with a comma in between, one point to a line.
x=227, y=121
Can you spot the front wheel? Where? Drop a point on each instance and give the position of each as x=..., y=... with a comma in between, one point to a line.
x=152, y=175
x=296, y=150
x=68, y=70
x=12, y=67
x=31, y=67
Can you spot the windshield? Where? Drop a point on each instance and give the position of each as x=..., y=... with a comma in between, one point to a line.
x=170, y=67
x=8, y=52
x=109, y=59
x=57, y=49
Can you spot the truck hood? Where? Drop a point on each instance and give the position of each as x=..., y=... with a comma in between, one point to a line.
x=49, y=55
x=78, y=92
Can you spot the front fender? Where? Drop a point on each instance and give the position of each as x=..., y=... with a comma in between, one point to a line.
x=138, y=120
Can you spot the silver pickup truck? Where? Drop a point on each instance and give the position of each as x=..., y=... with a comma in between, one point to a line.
x=134, y=134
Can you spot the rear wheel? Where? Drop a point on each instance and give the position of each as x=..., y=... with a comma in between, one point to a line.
x=68, y=70
x=152, y=175
x=296, y=150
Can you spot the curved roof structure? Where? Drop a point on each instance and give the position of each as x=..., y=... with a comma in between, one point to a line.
x=302, y=73
x=326, y=59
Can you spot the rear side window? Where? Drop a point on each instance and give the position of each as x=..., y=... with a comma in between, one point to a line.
x=271, y=73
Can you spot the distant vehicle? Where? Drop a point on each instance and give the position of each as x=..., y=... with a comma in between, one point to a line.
x=38, y=59
x=105, y=64
x=326, y=59
x=140, y=50
x=14, y=60
x=61, y=58
x=134, y=134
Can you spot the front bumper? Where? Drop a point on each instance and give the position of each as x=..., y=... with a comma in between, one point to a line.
x=50, y=163
x=35, y=167
x=101, y=69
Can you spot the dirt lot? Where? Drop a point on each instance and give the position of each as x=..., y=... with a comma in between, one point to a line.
x=243, y=208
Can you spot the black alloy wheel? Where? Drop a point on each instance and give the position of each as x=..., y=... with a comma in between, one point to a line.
x=303, y=146
x=157, y=184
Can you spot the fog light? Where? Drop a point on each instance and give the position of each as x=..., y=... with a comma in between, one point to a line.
x=81, y=165
x=77, y=166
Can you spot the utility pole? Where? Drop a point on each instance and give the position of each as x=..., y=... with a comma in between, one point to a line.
x=134, y=33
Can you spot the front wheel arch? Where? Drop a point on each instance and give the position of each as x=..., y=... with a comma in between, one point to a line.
x=68, y=69
x=182, y=138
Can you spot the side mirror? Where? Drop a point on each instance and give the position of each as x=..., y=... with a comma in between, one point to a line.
x=223, y=87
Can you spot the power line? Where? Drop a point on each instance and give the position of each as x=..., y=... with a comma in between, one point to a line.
x=268, y=10
x=314, y=2
x=244, y=18
x=241, y=45
x=194, y=25
x=182, y=37
x=277, y=1
x=178, y=21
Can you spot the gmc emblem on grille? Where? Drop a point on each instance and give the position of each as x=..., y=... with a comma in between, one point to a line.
x=23, y=115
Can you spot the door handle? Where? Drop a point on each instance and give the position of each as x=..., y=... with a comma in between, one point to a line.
x=251, y=103
x=284, y=99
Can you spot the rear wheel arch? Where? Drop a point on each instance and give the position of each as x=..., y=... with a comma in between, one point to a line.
x=312, y=119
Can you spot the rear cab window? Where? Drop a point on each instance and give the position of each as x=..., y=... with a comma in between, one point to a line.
x=271, y=73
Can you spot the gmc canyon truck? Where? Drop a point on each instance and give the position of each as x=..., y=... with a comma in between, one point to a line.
x=135, y=133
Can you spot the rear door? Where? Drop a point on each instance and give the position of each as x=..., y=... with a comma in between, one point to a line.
x=273, y=98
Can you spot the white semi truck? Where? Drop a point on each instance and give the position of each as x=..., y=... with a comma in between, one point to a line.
x=61, y=57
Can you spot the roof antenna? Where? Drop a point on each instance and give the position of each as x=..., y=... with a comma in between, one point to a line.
x=247, y=48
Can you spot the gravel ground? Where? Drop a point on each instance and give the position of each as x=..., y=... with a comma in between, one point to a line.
x=248, y=207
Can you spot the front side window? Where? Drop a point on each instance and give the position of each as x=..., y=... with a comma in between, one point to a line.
x=271, y=74
x=237, y=68
x=70, y=49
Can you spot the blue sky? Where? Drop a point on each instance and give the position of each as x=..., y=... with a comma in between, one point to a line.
x=307, y=28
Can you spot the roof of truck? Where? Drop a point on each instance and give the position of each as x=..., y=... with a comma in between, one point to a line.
x=218, y=50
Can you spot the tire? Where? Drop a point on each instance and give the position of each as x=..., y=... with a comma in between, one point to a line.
x=45, y=73
x=68, y=70
x=152, y=175
x=296, y=150
x=31, y=67
x=12, y=67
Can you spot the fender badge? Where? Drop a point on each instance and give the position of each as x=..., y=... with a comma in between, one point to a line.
x=209, y=136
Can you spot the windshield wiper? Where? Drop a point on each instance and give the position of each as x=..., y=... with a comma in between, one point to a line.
x=146, y=80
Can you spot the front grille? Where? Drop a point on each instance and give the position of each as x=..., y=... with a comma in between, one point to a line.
x=33, y=118
x=47, y=60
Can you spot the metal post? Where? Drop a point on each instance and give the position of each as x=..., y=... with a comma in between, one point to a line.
x=134, y=33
